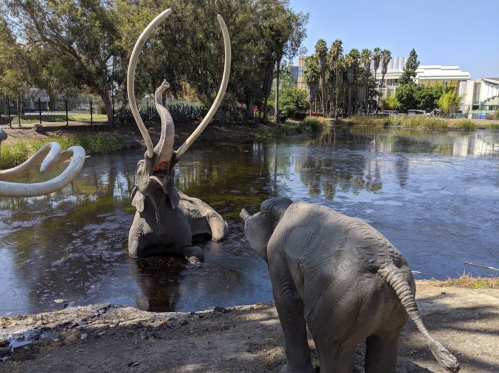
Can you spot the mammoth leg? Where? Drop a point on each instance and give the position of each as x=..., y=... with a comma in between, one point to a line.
x=203, y=218
x=291, y=315
x=381, y=352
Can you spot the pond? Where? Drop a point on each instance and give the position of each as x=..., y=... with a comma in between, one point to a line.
x=434, y=195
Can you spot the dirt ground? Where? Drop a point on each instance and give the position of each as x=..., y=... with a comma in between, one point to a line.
x=112, y=338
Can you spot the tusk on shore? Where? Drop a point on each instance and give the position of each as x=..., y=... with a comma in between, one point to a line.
x=218, y=100
x=244, y=215
x=53, y=157
x=131, y=78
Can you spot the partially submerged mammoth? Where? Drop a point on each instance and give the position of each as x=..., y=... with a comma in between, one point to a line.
x=166, y=220
x=343, y=279
x=49, y=156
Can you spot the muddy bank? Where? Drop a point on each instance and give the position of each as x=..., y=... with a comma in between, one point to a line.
x=111, y=338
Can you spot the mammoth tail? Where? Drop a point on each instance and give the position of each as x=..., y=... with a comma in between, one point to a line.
x=393, y=276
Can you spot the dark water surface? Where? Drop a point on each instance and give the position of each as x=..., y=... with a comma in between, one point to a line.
x=435, y=196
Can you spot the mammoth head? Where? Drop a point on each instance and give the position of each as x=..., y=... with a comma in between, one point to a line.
x=259, y=228
x=155, y=172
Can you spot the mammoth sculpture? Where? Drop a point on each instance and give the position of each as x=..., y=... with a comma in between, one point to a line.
x=341, y=278
x=166, y=220
x=50, y=156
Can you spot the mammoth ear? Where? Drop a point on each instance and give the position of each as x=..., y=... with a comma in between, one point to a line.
x=258, y=230
x=138, y=199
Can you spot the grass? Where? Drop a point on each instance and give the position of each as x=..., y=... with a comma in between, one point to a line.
x=416, y=121
x=32, y=119
x=308, y=125
x=16, y=153
x=468, y=281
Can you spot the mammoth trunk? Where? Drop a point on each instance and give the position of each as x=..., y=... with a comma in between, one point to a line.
x=164, y=148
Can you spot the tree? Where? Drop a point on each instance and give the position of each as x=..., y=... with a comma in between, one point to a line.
x=295, y=26
x=386, y=57
x=321, y=52
x=409, y=72
x=13, y=81
x=365, y=57
x=405, y=95
x=352, y=65
x=311, y=76
x=293, y=100
x=391, y=103
x=334, y=54
x=376, y=60
x=449, y=101
x=76, y=38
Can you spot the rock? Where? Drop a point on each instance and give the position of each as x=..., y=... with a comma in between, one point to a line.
x=84, y=336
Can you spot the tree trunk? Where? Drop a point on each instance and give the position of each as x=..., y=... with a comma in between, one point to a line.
x=349, y=99
x=379, y=96
x=276, y=110
x=108, y=105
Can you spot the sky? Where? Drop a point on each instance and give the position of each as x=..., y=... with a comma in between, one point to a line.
x=443, y=32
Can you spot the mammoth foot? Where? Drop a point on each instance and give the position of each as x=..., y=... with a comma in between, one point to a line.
x=193, y=253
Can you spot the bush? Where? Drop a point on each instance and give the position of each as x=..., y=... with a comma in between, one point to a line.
x=466, y=125
x=291, y=101
x=496, y=115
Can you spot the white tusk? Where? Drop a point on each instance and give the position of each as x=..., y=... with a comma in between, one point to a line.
x=54, y=158
x=244, y=215
x=218, y=100
x=131, y=78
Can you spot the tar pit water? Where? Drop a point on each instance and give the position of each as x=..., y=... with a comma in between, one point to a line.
x=434, y=195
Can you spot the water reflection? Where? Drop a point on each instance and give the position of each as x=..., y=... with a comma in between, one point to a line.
x=434, y=195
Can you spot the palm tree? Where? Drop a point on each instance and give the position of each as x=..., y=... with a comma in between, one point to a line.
x=376, y=59
x=334, y=54
x=352, y=63
x=365, y=57
x=321, y=52
x=312, y=78
x=340, y=80
x=386, y=57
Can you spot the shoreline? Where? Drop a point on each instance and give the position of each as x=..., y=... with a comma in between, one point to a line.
x=113, y=338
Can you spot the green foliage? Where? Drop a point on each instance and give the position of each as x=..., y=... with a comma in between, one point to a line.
x=292, y=100
x=449, y=101
x=496, y=115
x=410, y=68
x=411, y=96
x=391, y=103
x=290, y=128
x=466, y=125
x=16, y=153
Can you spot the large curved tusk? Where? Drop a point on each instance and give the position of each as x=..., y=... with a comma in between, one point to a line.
x=52, y=159
x=131, y=78
x=218, y=100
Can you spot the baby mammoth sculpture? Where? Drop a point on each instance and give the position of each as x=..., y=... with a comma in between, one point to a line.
x=166, y=220
x=50, y=156
x=341, y=278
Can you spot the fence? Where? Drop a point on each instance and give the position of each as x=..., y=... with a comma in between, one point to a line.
x=475, y=114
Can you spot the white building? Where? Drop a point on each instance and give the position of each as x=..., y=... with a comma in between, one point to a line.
x=482, y=94
x=426, y=75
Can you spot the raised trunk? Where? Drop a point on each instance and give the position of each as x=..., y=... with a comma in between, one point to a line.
x=164, y=149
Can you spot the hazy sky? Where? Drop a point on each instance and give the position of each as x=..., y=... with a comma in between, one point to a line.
x=443, y=32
